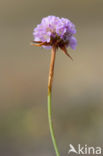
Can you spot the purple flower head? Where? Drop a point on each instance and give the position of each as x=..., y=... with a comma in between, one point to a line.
x=55, y=30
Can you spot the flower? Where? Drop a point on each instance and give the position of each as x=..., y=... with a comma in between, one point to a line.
x=55, y=30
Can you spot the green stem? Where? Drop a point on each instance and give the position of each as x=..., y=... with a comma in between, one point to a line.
x=50, y=80
x=51, y=125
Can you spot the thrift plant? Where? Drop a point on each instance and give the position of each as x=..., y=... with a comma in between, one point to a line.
x=53, y=33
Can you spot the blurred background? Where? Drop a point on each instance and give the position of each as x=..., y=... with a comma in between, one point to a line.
x=77, y=89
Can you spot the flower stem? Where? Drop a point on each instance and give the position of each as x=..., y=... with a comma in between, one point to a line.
x=50, y=80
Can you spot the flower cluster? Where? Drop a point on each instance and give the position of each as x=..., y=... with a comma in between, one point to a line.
x=55, y=30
